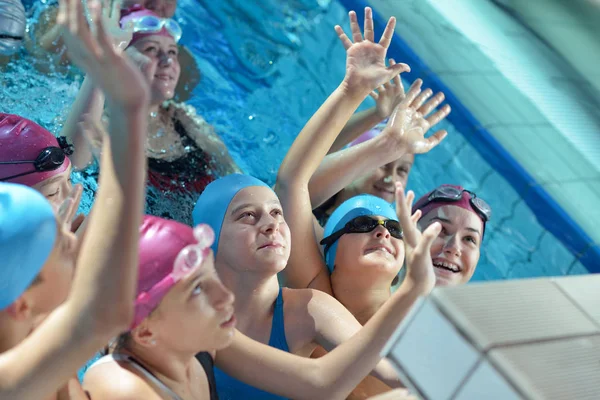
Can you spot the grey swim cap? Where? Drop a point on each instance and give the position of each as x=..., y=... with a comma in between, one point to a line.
x=12, y=26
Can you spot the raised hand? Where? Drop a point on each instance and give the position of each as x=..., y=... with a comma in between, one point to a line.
x=365, y=59
x=424, y=117
x=111, y=18
x=417, y=245
x=120, y=80
x=68, y=208
x=143, y=62
x=389, y=95
x=408, y=124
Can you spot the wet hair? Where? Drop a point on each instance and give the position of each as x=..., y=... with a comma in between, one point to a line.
x=120, y=342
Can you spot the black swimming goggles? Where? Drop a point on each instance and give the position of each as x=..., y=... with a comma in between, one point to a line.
x=49, y=159
x=450, y=193
x=363, y=224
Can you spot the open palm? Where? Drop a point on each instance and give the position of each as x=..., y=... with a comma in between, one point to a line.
x=410, y=121
x=417, y=245
x=111, y=18
x=365, y=59
x=120, y=80
x=389, y=95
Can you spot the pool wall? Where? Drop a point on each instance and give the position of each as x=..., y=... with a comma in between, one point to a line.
x=547, y=210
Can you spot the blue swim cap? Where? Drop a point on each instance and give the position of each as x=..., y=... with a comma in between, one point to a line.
x=357, y=206
x=27, y=235
x=212, y=205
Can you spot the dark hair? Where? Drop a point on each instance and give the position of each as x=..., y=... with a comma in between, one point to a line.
x=117, y=344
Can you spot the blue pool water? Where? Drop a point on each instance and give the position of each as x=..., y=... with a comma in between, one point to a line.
x=266, y=68
x=282, y=59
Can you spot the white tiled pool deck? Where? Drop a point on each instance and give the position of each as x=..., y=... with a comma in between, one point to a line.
x=525, y=95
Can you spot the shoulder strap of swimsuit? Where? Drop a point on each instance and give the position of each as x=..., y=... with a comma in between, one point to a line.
x=278, y=339
x=103, y=360
x=182, y=132
x=146, y=372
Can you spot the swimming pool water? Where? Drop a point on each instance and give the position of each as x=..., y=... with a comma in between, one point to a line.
x=266, y=67
x=306, y=64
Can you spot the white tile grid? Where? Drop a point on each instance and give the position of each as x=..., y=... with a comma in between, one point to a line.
x=581, y=202
x=533, y=67
x=529, y=64
x=496, y=94
x=547, y=154
x=566, y=165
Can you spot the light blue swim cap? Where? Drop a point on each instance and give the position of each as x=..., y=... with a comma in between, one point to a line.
x=27, y=235
x=212, y=205
x=357, y=206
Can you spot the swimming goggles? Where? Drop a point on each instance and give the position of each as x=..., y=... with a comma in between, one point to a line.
x=450, y=193
x=152, y=24
x=363, y=224
x=49, y=159
x=188, y=261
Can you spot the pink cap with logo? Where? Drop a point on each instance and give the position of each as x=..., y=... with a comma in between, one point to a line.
x=169, y=252
x=22, y=141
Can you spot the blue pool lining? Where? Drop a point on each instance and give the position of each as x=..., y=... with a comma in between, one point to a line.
x=549, y=213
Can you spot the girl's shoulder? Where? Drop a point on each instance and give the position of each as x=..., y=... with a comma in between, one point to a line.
x=109, y=378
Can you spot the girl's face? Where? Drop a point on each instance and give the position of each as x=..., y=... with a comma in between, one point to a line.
x=455, y=252
x=254, y=236
x=164, y=50
x=197, y=311
x=369, y=257
x=57, y=188
x=382, y=181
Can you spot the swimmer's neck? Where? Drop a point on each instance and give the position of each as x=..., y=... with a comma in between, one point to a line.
x=362, y=302
x=255, y=296
x=170, y=367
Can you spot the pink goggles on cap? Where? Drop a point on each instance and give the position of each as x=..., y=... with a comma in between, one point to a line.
x=188, y=261
x=150, y=24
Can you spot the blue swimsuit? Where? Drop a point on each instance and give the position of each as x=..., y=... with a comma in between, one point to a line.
x=232, y=389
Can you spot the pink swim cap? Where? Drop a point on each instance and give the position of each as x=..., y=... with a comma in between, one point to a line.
x=24, y=140
x=161, y=242
x=137, y=11
x=425, y=205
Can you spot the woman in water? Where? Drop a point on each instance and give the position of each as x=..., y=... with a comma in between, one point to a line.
x=50, y=44
x=184, y=319
x=184, y=152
x=39, y=252
x=463, y=216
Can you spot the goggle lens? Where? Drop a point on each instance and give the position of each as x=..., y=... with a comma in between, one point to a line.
x=150, y=24
x=449, y=193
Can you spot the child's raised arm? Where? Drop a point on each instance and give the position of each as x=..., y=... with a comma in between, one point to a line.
x=365, y=71
x=99, y=305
